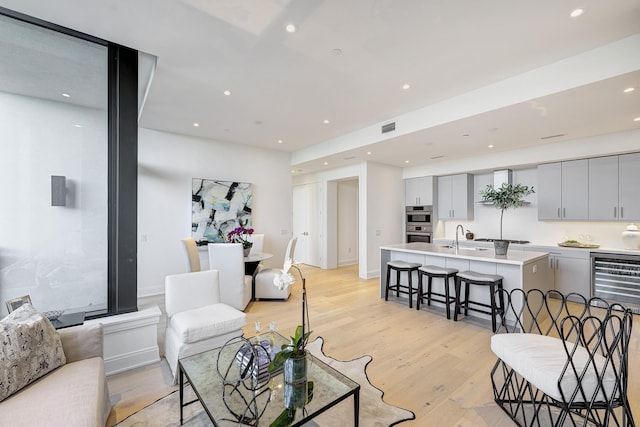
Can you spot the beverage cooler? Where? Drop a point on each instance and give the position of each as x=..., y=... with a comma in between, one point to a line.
x=616, y=278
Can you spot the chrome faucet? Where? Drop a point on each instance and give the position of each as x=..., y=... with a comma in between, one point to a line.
x=459, y=227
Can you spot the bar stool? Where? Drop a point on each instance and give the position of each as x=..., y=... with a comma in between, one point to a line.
x=399, y=267
x=433, y=271
x=493, y=281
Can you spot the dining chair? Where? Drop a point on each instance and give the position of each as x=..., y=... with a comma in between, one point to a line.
x=193, y=258
x=235, y=286
x=258, y=243
x=264, y=287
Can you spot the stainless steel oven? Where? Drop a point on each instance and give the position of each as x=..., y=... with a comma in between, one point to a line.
x=419, y=224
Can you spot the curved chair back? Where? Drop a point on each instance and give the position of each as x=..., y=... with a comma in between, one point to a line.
x=193, y=257
x=291, y=250
x=227, y=258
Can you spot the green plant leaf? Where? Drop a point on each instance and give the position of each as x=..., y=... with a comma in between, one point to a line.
x=278, y=361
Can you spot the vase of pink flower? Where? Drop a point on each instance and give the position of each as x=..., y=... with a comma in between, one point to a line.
x=241, y=235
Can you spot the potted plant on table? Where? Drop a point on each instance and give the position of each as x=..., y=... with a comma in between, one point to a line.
x=508, y=196
x=293, y=356
x=241, y=235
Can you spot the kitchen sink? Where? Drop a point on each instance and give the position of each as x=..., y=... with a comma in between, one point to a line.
x=463, y=248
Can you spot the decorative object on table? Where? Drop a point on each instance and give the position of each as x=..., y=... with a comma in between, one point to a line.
x=469, y=235
x=631, y=237
x=217, y=207
x=576, y=244
x=508, y=196
x=246, y=379
x=15, y=303
x=53, y=314
x=298, y=391
x=241, y=235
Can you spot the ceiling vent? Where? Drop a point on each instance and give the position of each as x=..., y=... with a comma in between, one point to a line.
x=389, y=127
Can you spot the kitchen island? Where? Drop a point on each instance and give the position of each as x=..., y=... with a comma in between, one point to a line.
x=520, y=269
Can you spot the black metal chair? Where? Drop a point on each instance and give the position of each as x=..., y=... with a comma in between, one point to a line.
x=435, y=272
x=562, y=363
x=399, y=267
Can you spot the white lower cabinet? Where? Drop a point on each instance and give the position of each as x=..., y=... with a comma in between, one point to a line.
x=571, y=270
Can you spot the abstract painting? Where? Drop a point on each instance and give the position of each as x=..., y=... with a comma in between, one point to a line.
x=218, y=207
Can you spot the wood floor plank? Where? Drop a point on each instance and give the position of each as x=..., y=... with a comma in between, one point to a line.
x=423, y=362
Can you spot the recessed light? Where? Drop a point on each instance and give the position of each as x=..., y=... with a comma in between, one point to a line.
x=227, y=93
x=66, y=95
x=368, y=153
x=637, y=119
x=326, y=121
x=406, y=86
x=576, y=12
x=326, y=163
x=279, y=141
x=293, y=171
x=490, y=146
x=406, y=161
x=78, y=126
x=336, y=52
x=629, y=89
x=195, y=125
x=290, y=28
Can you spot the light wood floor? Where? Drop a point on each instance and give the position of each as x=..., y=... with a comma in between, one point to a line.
x=423, y=362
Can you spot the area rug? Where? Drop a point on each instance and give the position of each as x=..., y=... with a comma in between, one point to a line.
x=374, y=411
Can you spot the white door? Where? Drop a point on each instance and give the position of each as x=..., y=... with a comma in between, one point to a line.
x=305, y=224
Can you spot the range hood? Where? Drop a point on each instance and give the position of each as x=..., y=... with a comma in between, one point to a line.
x=502, y=176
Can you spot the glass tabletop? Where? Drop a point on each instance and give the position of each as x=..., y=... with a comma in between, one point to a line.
x=216, y=379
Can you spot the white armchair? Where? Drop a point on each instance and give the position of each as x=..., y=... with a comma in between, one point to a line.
x=264, y=287
x=235, y=287
x=197, y=320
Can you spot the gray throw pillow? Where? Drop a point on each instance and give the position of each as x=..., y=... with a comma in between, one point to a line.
x=30, y=347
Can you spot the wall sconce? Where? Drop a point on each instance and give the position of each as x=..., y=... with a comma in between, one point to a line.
x=58, y=190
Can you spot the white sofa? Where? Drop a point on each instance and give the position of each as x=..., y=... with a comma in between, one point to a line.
x=75, y=394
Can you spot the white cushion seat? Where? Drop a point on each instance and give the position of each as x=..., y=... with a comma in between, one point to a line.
x=540, y=359
x=435, y=269
x=479, y=277
x=403, y=264
x=196, y=324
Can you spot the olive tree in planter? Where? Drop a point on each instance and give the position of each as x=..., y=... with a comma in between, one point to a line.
x=506, y=197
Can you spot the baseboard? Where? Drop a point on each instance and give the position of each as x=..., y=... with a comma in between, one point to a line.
x=345, y=262
x=372, y=274
x=131, y=360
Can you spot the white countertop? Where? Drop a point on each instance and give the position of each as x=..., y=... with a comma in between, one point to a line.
x=541, y=247
x=439, y=249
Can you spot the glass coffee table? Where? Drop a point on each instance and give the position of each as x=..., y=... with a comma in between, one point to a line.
x=228, y=405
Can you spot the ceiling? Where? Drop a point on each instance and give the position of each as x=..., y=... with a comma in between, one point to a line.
x=347, y=62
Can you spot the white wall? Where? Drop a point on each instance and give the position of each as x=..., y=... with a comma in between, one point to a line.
x=381, y=195
x=167, y=163
x=348, y=222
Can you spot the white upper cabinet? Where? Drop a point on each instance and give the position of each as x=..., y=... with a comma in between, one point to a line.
x=603, y=188
x=597, y=189
x=629, y=187
x=418, y=191
x=614, y=188
x=549, y=191
x=563, y=191
x=455, y=197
